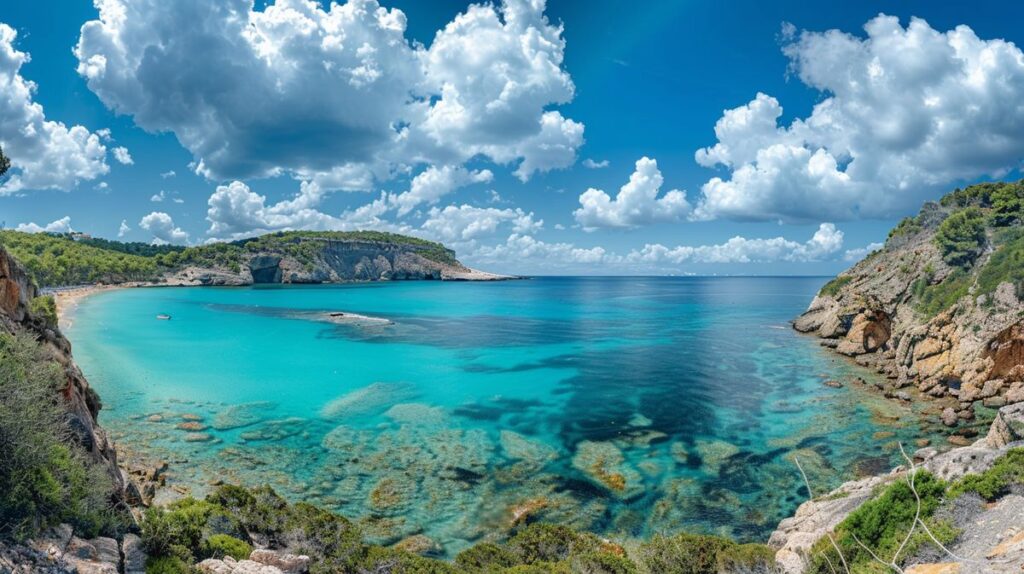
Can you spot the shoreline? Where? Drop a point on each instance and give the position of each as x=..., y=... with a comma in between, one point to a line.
x=67, y=299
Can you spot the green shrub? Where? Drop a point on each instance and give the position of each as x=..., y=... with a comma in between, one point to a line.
x=682, y=554
x=746, y=559
x=906, y=226
x=930, y=300
x=1008, y=204
x=45, y=308
x=882, y=524
x=377, y=559
x=961, y=236
x=45, y=478
x=1006, y=264
x=833, y=287
x=995, y=482
x=167, y=565
x=595, y=562
x=221, y=545
x=485, y=557
x=550, y=543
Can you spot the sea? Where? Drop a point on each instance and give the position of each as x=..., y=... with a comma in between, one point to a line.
x=625, y=406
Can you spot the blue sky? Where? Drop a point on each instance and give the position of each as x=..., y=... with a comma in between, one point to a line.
x=637, y=80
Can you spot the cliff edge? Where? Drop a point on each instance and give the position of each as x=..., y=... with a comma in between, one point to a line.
x=938, y=307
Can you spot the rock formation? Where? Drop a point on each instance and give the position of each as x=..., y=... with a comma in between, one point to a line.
x=952, y=330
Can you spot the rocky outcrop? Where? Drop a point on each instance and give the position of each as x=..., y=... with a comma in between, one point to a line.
x=59, y=551
x=796, y=535
x=322, y=260
x=82, y=404
x=970, y=352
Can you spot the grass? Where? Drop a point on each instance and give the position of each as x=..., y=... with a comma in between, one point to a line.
x=930, y=300
x=833, y=287
x=995, y=482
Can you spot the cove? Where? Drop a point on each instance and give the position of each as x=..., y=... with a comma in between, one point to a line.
x=624, y=406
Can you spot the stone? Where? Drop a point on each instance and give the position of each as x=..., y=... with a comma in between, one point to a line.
x=198, y=437
x=936, y=568
x=958, y=440
x=1007, y=427
x=286, y=563
x=923, y=454
x=994, y=402
x=231, y=566
x=833, y=384
x=107, y=550
x=191, y=426
x=949, y=417
x=134, y=554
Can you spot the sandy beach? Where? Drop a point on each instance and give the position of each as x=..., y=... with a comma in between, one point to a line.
x=68, y=299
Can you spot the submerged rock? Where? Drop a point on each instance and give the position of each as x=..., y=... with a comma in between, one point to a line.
x=371, y=398
x=275, y=430
x=243, y=415
x=714, y=453
x=604, y=464
x=417, y=413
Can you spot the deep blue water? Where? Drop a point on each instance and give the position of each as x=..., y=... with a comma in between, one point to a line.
x=626, y=406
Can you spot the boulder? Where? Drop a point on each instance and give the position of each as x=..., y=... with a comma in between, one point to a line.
x=231, y=566
x=1007, y=427
x=134, y=554
x=287, y=563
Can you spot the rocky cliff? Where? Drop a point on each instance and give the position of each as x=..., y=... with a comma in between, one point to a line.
x=81, y=402
x=325, y=258
x=938, y=307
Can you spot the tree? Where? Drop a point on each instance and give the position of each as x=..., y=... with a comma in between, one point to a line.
x=5, y=163
x=961, y=236
x=1008, y=204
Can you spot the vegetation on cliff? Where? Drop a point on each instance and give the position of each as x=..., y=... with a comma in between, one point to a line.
x=58, y=259
x=45, y=478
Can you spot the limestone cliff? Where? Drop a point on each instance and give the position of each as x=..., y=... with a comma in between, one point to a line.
x=938, y=306
x=322, y=258
x=81, y=402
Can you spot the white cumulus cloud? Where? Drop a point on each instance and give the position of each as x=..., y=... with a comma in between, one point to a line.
x=62, y=225
x=636, y=204
x=122, y=156
x=907, y=110
x=827, y=240
x=591, y=164
x=44, y=154
x=123, y=229
x=338, y=96
x=162, y=227
x=466, y=224
x=859, y=253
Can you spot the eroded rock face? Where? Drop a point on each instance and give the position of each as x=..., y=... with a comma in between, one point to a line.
x=81, y=402
x=333, y=261
x=971, y=352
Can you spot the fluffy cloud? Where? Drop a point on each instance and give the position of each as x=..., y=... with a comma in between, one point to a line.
x=123, y=229
x=434, y=183
x=62, y=225
x=827, y=240
x=162, y=227
x=859, y=253
x=907, y=110
x=529, y=250
x=44, y=154
x=464, y=224
x=338, y=96
x=122, y=156
x=591, y=164
x=636, y=204
x=236, y=211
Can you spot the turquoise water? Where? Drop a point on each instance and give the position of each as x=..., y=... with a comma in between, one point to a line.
x=626, y=406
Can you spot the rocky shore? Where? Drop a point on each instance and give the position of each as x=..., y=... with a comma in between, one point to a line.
x=936, y=328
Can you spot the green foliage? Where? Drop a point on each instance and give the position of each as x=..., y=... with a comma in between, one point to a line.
x=930, y=300
x=485, y=557
x=833, y=287
x=379, y=559
x=45, y=308
x=746, y=559
x=961, y=236
x=54, y=260
x=683, y=554
x=44, y=478
x=5, y=163
x=1006, y=264
x=601, y=563
x=906, y=226
x=1006, y=471
x=167, y=565
x=220, y=545
x=882, y=524
x=131, y=248
x=550, y=543
x=979, y=195
x=1008, y=204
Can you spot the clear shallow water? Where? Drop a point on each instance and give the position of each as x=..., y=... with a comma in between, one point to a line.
x=626, y=406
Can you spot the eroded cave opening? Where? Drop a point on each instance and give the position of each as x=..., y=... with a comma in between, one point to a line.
x=265, y=270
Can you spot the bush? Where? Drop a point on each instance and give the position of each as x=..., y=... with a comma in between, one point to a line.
x=221, y=545
x=833, y=287
x=906, y=226
x=1008, y=204
x=45, y=308
x=747, y=559
x=550, y=543
x=961, y=236
x=882, y=524
x=485, y=557
x=379, y=559
x=601, y=563
x=682, y=554
x=995, y=482
x=45, y=478
x=167, y=565
x=930, y=300
x=1006, y=264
